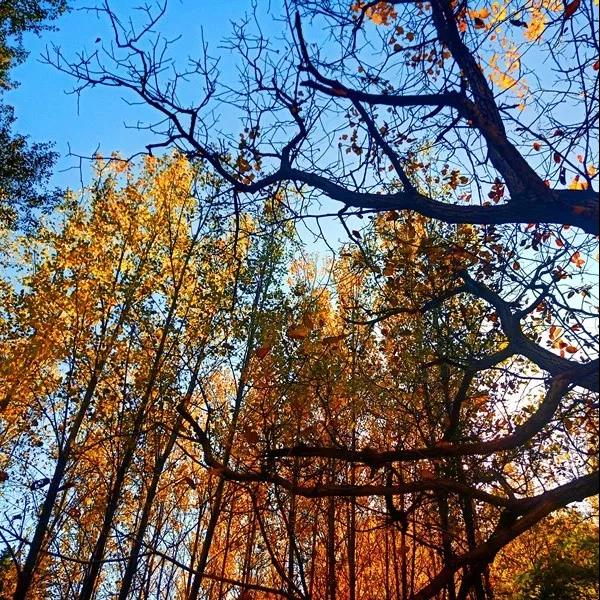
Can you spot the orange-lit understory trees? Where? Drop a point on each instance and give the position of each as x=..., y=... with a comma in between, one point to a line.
x=193, y=407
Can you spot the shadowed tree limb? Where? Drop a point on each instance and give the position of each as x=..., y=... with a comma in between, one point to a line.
x=533, y=510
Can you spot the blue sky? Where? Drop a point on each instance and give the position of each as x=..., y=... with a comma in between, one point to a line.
x=98, y=118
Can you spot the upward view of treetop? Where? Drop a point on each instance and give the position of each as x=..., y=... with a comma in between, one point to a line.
x=205, y=394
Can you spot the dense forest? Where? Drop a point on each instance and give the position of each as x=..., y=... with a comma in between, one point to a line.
x=332, y=334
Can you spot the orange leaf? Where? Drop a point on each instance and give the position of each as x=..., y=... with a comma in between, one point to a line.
x=298, y=332
x=262, y=351
x=577, y=260
x=482, y=13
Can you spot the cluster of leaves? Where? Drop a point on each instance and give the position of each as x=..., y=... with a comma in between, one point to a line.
x=24, y=168
x=18, y=17
x=23, y=172
x=556, y=559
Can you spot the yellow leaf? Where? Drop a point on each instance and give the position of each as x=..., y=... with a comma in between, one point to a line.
x=537, y=24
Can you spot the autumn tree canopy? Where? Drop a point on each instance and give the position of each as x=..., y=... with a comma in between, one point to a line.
x=197, y=404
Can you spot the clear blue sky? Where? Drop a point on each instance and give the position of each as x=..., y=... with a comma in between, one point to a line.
x=45, y=110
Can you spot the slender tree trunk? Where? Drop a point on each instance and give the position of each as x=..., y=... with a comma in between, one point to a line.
x=226, y=555
x=194, y=554
x=352, y=508
x=26, y=576
x=404, y=562
x=91, y=576
x=352, y=550
x=397, y=584
x=144, y=592
x=281, y=570
x=114, y=497
x=247, y=571
x=292, y=532
x=447, y=551
x=262, y=286
x=331, y=575
x=413, y=554
x=388, y=591
x=132, y=562
x=352, y=516
x=90, y=579
x=313, y=551
x=403, y=549
x=215, y=513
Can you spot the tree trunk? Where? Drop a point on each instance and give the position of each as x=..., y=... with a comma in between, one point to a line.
x=331, y=581
x=26, y=576
x=132, y=562
x=447, y=551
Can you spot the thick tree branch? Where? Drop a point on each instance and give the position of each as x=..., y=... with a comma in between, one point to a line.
x=582, y=375
x=446, y=449
x=536, y=509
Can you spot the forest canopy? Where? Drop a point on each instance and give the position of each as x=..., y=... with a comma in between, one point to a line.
x=205, y=394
